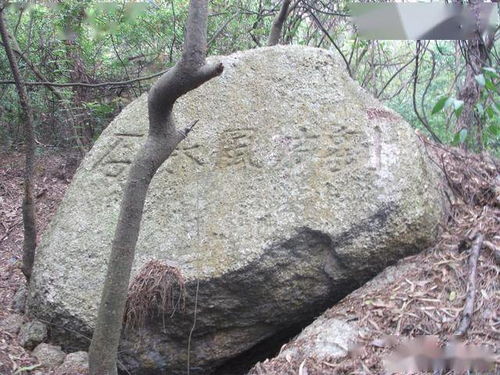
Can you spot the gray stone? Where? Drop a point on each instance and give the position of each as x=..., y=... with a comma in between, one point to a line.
x=324, y=339
x=76, y=363
x=12, y=323
x=295, y=187
x=336, y=333
x=19, y=300
x=32, y=333
x=49, y=355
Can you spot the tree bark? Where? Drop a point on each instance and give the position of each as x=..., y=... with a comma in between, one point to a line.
x=277, y=27
x=476, y=55
x=28, y=206
x=190, y=72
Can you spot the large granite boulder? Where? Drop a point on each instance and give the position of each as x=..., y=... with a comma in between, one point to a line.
x=294, y=188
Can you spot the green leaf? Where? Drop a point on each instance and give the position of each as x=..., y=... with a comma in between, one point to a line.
x=490, y=112
x=480, y=80
x=458, y=106
x=489, y=85
x=459, y=137
x=480, y=109
x=496, y=108
x=440, y=104
x=463, y=135
x=134, y=10
x=494, y=130
x=491, y=72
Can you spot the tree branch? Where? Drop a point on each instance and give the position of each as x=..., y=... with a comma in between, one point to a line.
x=414, y=99
x=468, y=310
x=28, y=206
x=277, y=27
x=54, y=91
x=394, y=76
x=320, y=25
x=190, y=72
x=91, y=85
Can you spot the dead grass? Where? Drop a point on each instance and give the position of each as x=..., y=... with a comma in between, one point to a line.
x=157, y=289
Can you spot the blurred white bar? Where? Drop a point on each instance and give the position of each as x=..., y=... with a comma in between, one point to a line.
x=423, y=21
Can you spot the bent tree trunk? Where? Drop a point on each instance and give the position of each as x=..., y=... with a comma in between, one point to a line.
x=29, y=220
x=277, y=27
x=190, y=72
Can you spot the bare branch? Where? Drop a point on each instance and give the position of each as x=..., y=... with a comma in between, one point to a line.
x=91, y=85
x=221, y=29
x=28, y=206
x=471, y=287
x=394, y=76
x=414, y=99
x=188, y=128
x=327, y=34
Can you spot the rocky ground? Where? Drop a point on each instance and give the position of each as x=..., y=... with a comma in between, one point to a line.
x=424, y=297
x=18, y=336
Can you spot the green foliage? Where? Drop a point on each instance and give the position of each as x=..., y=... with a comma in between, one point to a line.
x=487, y=110
x=90, y=41
x=448, y=101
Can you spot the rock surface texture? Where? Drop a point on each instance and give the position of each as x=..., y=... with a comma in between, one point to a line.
x=32, y=333
x=12, y=323
x=334, y=334
x=294, y=188
x=74, y=364
x=49, y=355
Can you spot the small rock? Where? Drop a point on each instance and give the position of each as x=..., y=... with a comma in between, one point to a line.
x=379, y=343
x=325, y=338
x=19, y=300
x=32, y=333
x=74, y=364
x=12, y=324
x=49, y=355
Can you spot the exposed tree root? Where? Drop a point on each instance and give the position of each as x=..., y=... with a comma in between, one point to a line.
x=157, y=289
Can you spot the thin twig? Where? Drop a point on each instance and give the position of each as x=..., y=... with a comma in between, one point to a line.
x=471, y=287
x=188, y=128
x=197, y=281
x=84, y=84
x=320, y=25
x=10, y=229
x=193, y=327
x=415, y=108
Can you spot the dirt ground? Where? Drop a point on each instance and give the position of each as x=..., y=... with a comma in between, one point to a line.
x=426, y=300
x=53, y=175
